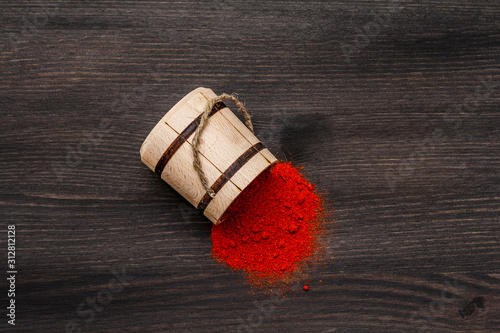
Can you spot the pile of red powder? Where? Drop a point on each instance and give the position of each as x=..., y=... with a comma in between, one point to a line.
x=272, y=226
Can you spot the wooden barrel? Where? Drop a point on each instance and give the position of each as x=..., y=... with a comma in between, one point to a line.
x=231, y=156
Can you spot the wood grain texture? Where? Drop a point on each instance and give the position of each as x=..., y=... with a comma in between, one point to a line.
x=391, y=107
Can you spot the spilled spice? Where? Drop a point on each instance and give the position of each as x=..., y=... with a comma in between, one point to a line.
x=272, y=226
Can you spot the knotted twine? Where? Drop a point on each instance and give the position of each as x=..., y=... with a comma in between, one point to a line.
x=201, y=127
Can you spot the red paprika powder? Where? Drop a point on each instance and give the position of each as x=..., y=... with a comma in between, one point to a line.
x=272, y=226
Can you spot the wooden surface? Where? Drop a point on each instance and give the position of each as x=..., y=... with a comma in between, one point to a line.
x=378, y=120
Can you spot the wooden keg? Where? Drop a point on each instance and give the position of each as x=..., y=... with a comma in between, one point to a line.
x=231, y=156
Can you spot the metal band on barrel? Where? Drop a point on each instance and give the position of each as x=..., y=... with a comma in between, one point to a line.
x=177, y=143
x=226, y=175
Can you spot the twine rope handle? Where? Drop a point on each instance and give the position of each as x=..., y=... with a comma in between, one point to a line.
x=202, y=125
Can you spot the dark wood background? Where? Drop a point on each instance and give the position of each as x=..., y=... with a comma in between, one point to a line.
x=391, y=107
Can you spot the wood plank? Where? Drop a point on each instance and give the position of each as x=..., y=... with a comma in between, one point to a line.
x=398, y=127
